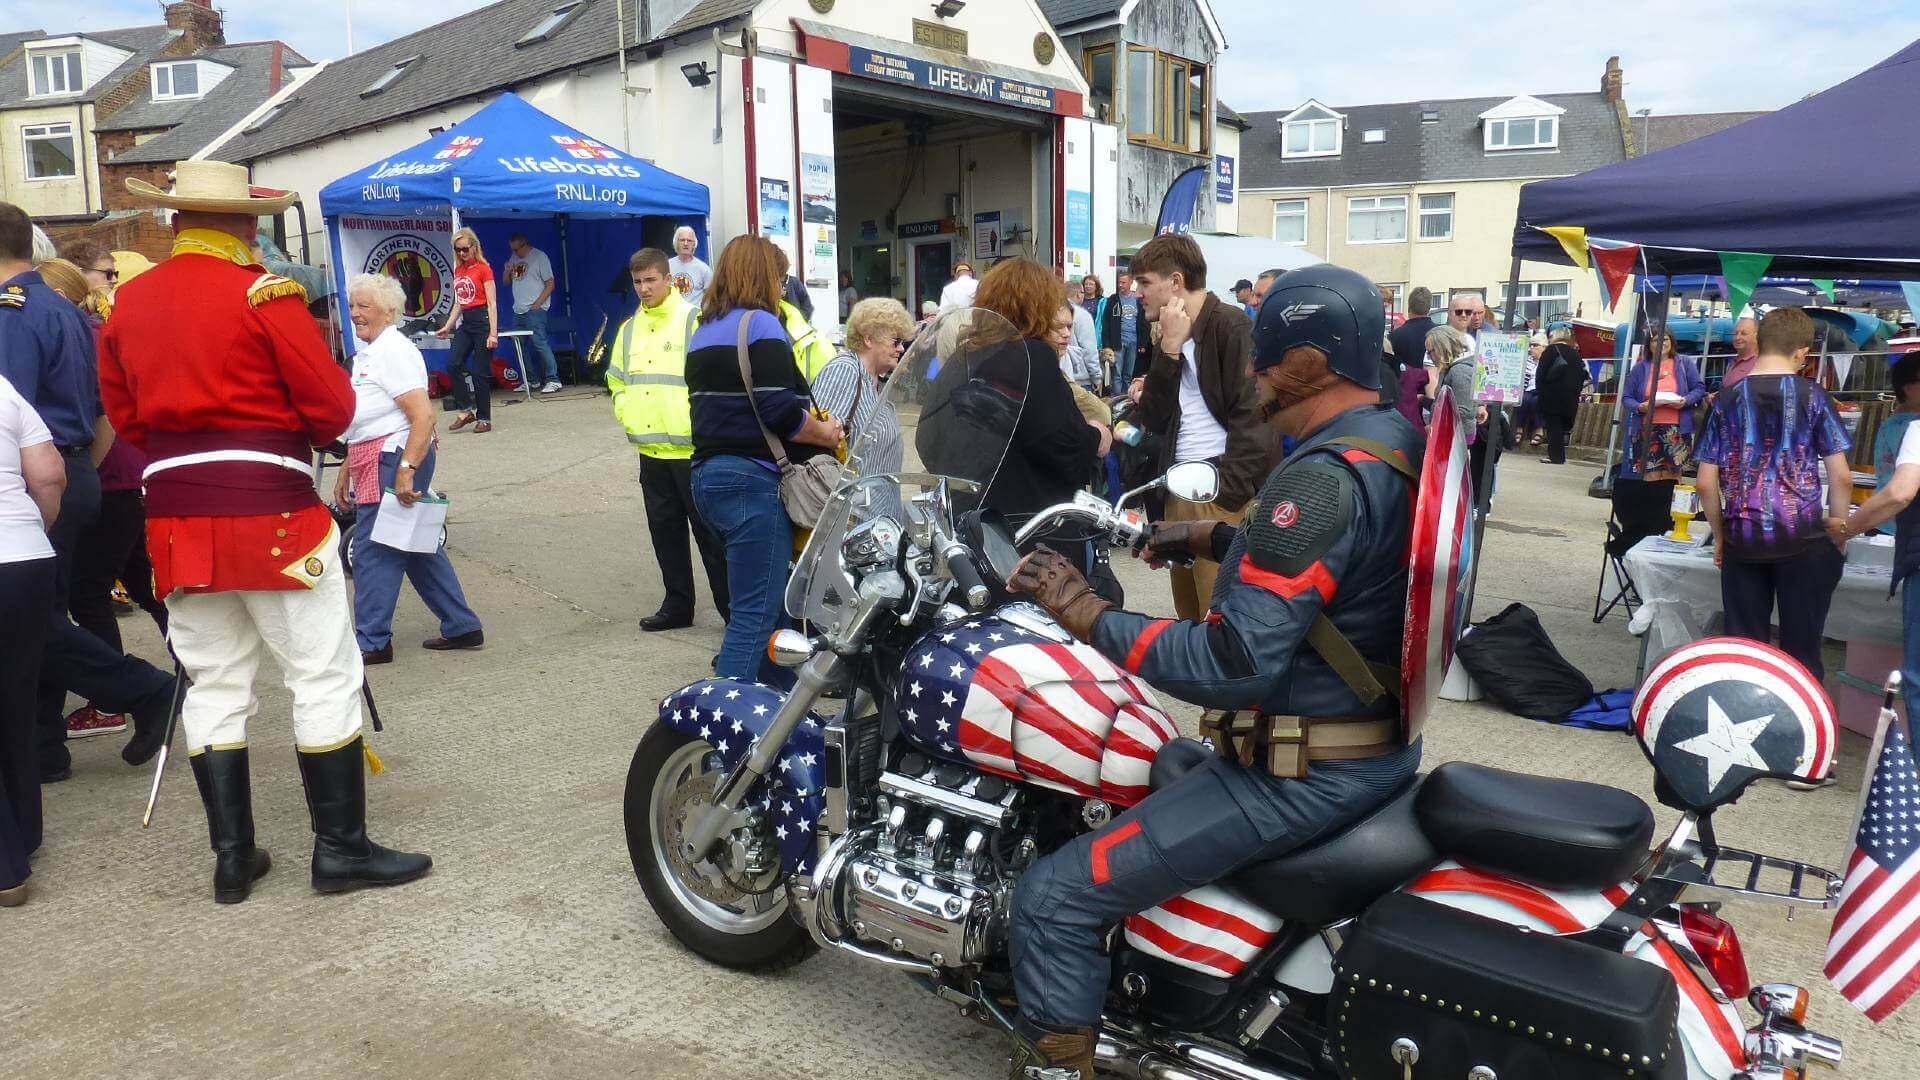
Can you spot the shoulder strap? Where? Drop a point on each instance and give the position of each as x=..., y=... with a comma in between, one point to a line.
x=1388, y=456
x=859, y=388
x=746, y=382
x=1369, y=681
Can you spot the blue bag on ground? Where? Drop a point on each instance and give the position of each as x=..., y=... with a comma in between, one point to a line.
x=1514, y=661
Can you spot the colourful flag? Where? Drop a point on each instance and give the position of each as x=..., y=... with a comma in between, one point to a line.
x=1573, y=239
x=1614, y=265
x=1825, y=285
x=1873, y=949
x=1912, y=291
x=1742, y=271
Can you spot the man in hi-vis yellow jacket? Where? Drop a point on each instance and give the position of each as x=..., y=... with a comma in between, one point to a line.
x=646, y=371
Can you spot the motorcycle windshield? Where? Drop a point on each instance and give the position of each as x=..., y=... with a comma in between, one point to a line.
x=946, y=412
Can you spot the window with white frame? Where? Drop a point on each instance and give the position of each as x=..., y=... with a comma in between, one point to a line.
x=176, y=80
x=1290, y=221
x=1523, y=133
x=54, y=71
x=561, y=15
x=1376, y=219
x=1436, y=217
x=49, y=151
x=1438, y=311
x=1541, y=300
x=1310, y=137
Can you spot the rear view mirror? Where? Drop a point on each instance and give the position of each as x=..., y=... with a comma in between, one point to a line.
x=1193, y=481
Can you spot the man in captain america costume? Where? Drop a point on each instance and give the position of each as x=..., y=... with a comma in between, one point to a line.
x=1295, y=662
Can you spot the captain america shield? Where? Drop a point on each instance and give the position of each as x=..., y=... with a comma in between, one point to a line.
x=1718, y=714
x=1437, y=566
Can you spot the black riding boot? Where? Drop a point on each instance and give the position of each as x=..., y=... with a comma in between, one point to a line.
x=343, y=857
x=226, y=788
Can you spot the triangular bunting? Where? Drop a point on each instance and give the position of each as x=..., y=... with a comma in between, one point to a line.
x=1742, y=271
x=1825, y=285
x=1614, y=265
x=1912, y=290
x=1573, y=238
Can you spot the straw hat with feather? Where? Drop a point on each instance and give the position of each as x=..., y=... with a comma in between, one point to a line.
x=214, y=187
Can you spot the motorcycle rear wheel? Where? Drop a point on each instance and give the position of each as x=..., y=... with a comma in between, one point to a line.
x=743, y=931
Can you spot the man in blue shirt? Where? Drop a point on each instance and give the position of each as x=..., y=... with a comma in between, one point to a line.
x=46, y=352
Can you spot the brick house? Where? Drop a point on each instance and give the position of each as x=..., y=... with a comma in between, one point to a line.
x=81, y=111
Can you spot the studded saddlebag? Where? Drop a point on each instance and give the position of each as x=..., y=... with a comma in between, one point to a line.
x=1429, y=992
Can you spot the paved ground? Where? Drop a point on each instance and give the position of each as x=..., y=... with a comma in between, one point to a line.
x=530, y=951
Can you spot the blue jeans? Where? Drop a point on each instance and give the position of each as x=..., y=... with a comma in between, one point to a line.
x=1910, y=660
x=739, y=499
x=377, y=570
x=543, y=369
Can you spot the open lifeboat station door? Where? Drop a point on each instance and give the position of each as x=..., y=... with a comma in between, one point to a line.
x=893, y=185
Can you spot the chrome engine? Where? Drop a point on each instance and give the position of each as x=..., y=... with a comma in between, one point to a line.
x=921, y=877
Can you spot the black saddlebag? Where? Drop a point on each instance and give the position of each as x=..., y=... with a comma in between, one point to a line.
x=1471, y=993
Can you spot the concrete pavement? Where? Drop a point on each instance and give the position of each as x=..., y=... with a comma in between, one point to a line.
x=530, y=951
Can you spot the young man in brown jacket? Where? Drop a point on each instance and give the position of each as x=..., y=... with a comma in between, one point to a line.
x=1198, y=391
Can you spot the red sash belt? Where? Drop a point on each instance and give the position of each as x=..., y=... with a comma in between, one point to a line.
x=228, y=488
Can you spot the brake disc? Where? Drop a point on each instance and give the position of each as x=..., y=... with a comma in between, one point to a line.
x=720, y=879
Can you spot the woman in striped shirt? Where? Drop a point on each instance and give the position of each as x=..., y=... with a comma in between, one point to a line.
x=736, y=480
x=849, y=385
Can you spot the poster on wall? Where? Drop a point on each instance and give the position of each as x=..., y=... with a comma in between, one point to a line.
x=1079, y=233
x=1503, y=364
x=986, y=234
x=415, y=251
x=1222, y=178
x=816, y=189
x=776, y=208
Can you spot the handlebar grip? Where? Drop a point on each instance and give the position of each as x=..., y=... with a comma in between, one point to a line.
x=966, y=575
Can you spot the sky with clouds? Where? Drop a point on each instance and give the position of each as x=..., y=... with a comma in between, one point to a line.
x=1678, y=57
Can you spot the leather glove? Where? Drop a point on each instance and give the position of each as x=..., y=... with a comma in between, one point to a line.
x=1057, y=585
x=1178, y=542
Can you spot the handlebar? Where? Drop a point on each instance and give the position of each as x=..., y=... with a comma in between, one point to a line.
x=966, y=574
x=1121, y=528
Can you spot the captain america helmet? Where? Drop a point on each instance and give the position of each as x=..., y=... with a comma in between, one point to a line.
x=1331, y=308
x=1716, y=715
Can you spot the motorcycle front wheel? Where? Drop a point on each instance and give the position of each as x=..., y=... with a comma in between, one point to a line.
x=732, y=926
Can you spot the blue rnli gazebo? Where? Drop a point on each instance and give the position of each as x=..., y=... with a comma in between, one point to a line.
x=509, y=168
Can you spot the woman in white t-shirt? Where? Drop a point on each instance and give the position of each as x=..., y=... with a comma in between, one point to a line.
x=391, y=446
x=32, y=479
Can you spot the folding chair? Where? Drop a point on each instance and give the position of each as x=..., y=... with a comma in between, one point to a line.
x=1639, y=510
x=1615, y=567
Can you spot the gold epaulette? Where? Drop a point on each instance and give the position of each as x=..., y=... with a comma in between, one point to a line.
x=268, y=286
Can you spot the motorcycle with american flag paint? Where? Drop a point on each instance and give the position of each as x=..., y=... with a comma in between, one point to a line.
x=941, y=735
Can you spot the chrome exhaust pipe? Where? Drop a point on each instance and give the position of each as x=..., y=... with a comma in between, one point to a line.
x=1175, y=1059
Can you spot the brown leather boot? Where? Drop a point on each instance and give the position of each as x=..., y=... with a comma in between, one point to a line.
x=1041, y=1053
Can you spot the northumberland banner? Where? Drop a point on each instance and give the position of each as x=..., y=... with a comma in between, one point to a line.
x=415, y=251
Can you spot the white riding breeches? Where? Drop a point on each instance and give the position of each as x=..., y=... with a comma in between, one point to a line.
x=220, y=637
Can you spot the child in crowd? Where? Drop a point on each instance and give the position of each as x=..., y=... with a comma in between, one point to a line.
x=1764, y=446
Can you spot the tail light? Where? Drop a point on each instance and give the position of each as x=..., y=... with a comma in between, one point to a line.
x=1712, y=937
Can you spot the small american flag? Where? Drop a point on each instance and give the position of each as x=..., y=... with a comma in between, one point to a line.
x=460, y=147
x=582, y=147
x=1873, y=950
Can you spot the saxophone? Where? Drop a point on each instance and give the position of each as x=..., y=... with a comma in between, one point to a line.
x=596, y=359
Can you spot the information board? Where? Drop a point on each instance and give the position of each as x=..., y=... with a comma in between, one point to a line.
x=1503, y=366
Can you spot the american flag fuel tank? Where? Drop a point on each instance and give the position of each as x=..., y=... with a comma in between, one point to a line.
x=1008, y=701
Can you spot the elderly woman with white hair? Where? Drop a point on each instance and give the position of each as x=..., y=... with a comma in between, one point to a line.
x=391, y=445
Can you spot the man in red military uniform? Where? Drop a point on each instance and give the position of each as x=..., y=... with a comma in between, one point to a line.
x=213, y=367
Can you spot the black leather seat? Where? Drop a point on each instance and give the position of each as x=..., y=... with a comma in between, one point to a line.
x=1336, y=878
x=1561, y=834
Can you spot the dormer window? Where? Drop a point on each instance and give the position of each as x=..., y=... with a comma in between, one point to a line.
x=176, y=80
x=1310, y=131
x=1524, y=123
x=54, y=72
x=389, y=77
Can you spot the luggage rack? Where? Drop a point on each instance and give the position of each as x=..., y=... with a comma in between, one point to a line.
x=1731, y=872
